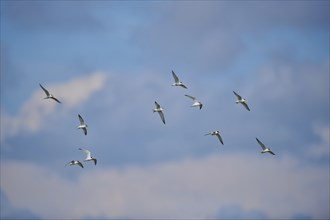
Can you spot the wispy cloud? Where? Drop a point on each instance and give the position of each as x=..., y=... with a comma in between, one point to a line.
x=38, y=15
x=275, y=187
x=33, y=112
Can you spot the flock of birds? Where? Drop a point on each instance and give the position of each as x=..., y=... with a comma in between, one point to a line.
x=199, y=104
x=159, y=109
x=82, y=126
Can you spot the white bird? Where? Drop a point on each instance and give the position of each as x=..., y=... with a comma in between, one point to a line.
x=177, y=81
x=242, y=101
x=88, y=155
x=75, y=162
x=48, y=95
x=264, y=148
x=216, y=133
x=82, y=124
x=160, y=111
x=196, y=102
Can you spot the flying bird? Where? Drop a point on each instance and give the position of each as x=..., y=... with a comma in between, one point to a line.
x=264, y=148
x=177, y=81
x=75, y=162
x=48, y=95
x=82, y=124
x=216, y=133
x=242, y=101
x=160, y=111
x=196, y=102
x=88, y=156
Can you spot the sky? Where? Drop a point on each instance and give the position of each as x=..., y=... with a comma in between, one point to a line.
x=109, y=61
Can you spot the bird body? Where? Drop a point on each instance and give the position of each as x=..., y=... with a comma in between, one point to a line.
x=242, y=101
x=82, y=125
x=159, y=109
x=48, y=95
x=75, y=162
x=88, y=155
x=264, y=148
x=177, y=81
x=196, y=103
x=216, y=133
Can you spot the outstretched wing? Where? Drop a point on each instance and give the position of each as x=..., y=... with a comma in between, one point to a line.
x=245, y=105
x=261, y=144
x=192, y=97
x=56, y=99
x=271, y=152
x=95, y=161
x=238, y=96
x=220, y=138
x=87, y=152
x=161, y=114
x=69, y=163
x=45, y=90
x=85, y=130
x=157, y=105
x=183, y=86
x=80, y=164
x=176, y=79
x=81, y=120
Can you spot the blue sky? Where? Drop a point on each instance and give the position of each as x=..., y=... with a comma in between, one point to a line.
x=109, y=61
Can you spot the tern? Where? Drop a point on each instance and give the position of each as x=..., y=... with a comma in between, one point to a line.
x=242, y=101
x=48, y=95
x=75, y=162
x=196, y=102
x=82, y=124
x=88, y=155
x=177, y=81
x=160, y=111
x=216, y=133
x=264, y=148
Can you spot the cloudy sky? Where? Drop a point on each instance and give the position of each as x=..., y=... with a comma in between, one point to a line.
x=110, y=60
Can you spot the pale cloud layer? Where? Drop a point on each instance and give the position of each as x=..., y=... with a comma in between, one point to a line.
x=35, y=110
x=277, y=187
x=321, y=149
x=274, y=53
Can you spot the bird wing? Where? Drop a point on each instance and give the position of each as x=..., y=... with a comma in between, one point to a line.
x=68, y=163
x=183, y=86
x=80, y=164
x=87, y=152
x=81, y=120
x=192, y=97
x=245, y=105
x=95, y=161
x=271, y=152
x=161, y=114
x=220, y=138
x=261, y=144
x=45, y=90
x=85, y=130
x=56, y=99
x=208, y=134
x=238, y=96
x=157, y=105
x=176, y=79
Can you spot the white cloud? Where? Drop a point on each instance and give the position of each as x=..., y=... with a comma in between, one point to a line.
x=321, y=149
x=33, y=112
x=275, y=186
